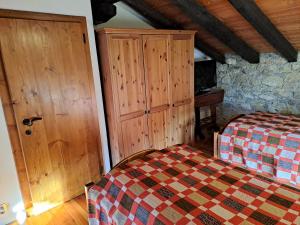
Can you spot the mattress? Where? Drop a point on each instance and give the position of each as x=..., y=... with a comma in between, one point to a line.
x=182, y=185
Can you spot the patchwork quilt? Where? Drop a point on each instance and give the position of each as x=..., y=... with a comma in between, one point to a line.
x=265, y=142
x=182, y=185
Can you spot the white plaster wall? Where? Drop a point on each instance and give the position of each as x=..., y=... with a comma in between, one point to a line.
x=76, y=8
x=9, y=185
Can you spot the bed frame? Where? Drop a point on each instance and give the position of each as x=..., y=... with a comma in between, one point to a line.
x=217, y=136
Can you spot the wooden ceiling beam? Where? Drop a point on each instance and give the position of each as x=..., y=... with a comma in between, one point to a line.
x=256, y=17
x=159, y=21
x=217, y=28
x=150, y=15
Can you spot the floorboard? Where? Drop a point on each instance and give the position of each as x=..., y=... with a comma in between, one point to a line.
x=73, y=212
x=206, y=144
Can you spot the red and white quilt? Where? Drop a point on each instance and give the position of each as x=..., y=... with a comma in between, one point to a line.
x=265, y=142
x=182, y=185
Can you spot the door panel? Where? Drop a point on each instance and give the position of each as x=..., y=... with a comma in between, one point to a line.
x=182, y=124
x=182, y=71
x=159, y=129
x=135, y=136
x=156, y=61
x=128, y=74
x=48, y=77
x=182, y=85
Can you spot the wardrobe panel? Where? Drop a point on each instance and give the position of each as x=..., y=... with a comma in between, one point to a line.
x=182, y=70
x=156, y=62
x=182, y=121
x=128, y=73
x=157, y=71
x=134, y=135
x=159, y=129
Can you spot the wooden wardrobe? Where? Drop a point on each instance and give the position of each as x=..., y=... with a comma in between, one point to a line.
x=148, y=79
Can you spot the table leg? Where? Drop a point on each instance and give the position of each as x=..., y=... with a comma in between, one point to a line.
x=198, y=131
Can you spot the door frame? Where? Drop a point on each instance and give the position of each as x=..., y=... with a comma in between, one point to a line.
x=12, y=130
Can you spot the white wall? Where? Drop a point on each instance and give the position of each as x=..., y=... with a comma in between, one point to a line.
x=9, y=185
x=77, y=8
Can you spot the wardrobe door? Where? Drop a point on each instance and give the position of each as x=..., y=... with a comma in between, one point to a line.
x=128, y=82
x=182, y=85
x=157, y=70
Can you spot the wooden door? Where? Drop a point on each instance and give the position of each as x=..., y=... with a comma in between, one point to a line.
x=129, y=93
x=157, y=70
x=49, y=79
x=182, y=85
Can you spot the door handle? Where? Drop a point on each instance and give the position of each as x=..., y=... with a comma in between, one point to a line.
x=29, y=121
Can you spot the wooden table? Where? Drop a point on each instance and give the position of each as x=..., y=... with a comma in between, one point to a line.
x=208, y=99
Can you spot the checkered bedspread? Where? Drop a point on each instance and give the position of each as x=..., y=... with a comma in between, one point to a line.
x=267, y=143
x=182, y=185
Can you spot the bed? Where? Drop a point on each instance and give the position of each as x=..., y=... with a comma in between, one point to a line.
x=264, y=142
x=183, y=185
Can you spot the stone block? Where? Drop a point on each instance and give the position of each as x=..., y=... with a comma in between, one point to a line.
x=273, y=81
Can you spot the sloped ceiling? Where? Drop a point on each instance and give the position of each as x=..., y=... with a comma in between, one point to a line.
x=284, y=14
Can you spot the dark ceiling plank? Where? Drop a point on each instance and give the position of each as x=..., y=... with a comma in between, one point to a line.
x=159, y=21
x=103, y=11
x=256, y=17
x=201, y=16
x=109, y=1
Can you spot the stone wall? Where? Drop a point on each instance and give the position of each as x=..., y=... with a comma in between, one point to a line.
x=273, y=85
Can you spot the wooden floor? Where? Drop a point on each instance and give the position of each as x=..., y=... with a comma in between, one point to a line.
x=73, y=212
x=205, y=144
